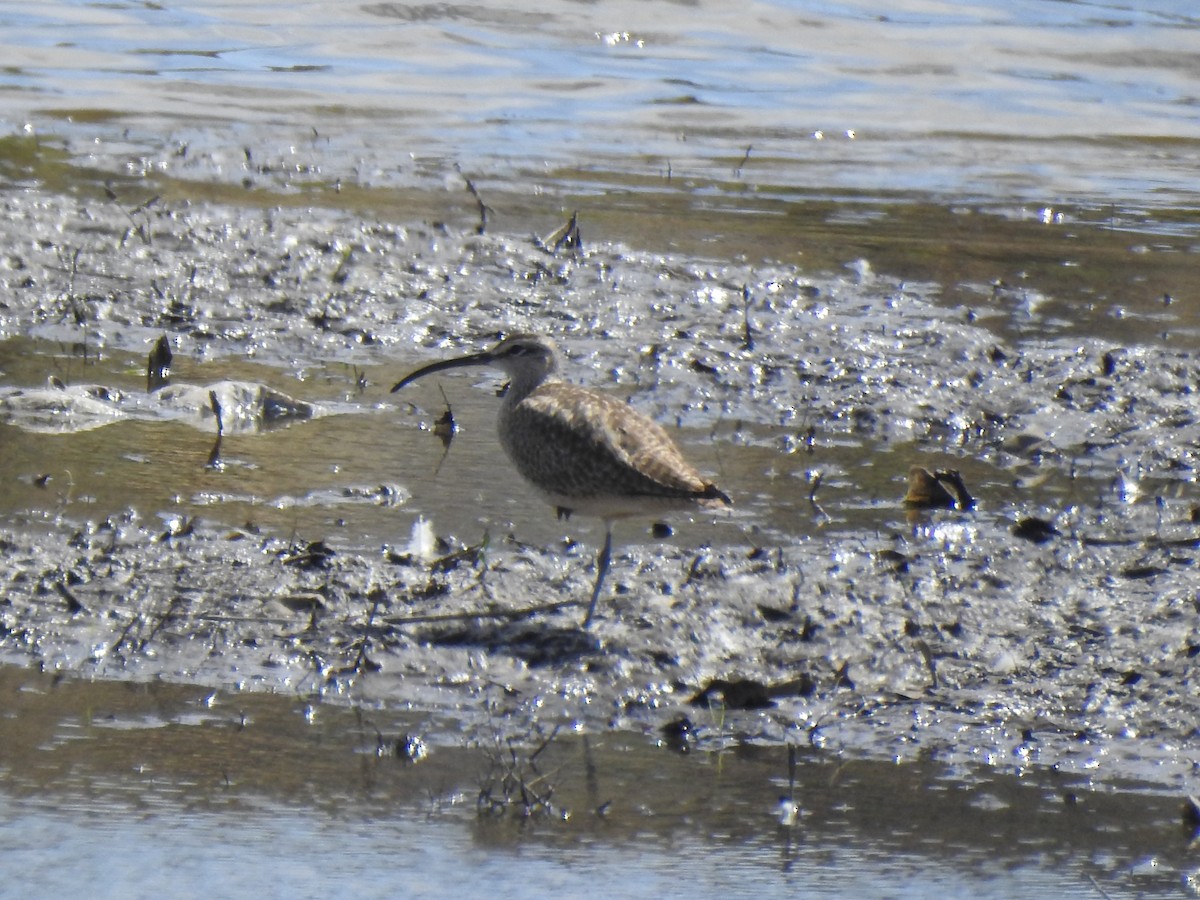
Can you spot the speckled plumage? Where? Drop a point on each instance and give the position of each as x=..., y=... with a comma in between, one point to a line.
x=584, y=451
x=592, y=454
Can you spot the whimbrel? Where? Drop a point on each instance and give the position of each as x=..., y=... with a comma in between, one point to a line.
x=583, y=451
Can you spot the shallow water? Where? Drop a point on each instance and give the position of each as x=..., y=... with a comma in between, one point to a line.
x=152, y=788
x=969, y=238
x=307, y=478
x=1030, y=101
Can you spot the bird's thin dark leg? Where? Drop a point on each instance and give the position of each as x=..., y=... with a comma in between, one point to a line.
x=601, y=570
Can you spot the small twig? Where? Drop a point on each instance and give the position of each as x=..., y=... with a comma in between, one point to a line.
x=484, y=209
x=170, y=613
x=78, y=310
x=737, y=172
x=1103, y=893
x=125, y=632
x=813, y=486
x=747, y=328
x=141, y=229
x=930, y=662
x=222, y=619
x=214, y=455
x=512, y=614
x=544, y=744
x=566, y=237
x=377, y=596
x=694, y=569
x=74, y=605
x=216, y=408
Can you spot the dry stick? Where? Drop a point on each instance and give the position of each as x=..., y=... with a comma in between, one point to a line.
x=737, y=172
x=1103, y=893
x=524, y=613
x=139, y=229
x=120, y=641
x=138, y=619
x=176, y=600
x=544, y=744
x=813, y=486
x=513, y=614
x=747, y=328
x=214, y=456
x=567, y=235
x=930, y=662
x=110, y=553
x=74, y=604
x=484, y=209
x=235, y=620
x=361, y=657
x=77, y=312
x=216, y=408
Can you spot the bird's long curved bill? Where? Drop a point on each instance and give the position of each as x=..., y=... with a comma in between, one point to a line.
x=475, y=359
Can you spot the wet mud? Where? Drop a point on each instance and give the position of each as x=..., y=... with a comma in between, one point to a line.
x=1048, y=625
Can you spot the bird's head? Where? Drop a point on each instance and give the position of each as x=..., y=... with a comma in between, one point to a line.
x=527, y=359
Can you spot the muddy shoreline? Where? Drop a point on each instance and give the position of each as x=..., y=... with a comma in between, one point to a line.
x=847, y=622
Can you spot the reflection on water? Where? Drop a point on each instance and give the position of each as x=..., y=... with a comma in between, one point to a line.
x=152, y=789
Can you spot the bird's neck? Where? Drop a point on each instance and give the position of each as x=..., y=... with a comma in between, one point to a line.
x=522, y=384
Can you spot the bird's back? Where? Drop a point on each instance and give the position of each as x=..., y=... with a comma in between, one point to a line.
x=592, y=453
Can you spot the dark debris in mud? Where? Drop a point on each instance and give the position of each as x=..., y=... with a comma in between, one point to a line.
x=966, y=632
x=980, y=649
x=536, y=645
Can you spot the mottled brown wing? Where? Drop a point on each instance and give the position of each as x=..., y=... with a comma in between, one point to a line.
x=578, y=443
